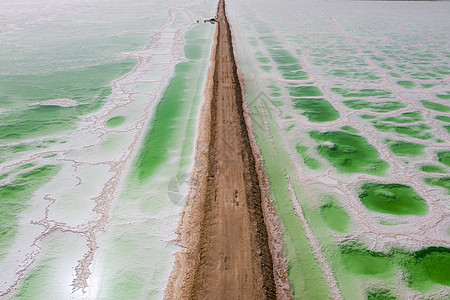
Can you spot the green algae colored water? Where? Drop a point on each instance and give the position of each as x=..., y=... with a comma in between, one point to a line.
x=418, y=131
x=350, y=129
x=444, y=157
x=309, y=161
x=335, y=217
x=396, y=199
x=12, y=152
x=436, y=106
x=424, y=269
x=368, y=117
x=172, y=106
x=362, y=262
x=384, y=106
x=380, y=294
x=355, y=74
x=307, y=278
x=443, y=182
x=443, y=118
x=157, y=140
x=428, y=267
x=89, y=87
x=406, y=84
x=350, y=153
x=263, y=59
x=44, y=120
x=266, y=69
x=292, y=72
x=26, y=166
x=14, y=198
x=433, y=169
x=316, y=110
x=305, y=91
x=402, y=148
x=115, y=121
x=351, y=93
x=408, y=117
x=283, y=57
x=444, y=96
x=81, y=85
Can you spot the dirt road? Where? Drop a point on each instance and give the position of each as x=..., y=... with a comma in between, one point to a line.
x=228, y=254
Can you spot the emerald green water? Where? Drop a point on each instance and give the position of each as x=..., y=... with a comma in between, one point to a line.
x=162, y=132
x=384, y=106
x=396, y=199
x=44, y=120
x=283, y=57
x=270, y=41
x=288, y=66
x=316, y=110
x=350, y=129
x=428, y=267
x=115, y=121
x=350, y=93
x=26, y=166
x=424, y=269
x=304, y=91
x=402, y=148
x=309, y=161
x=418, y=131
x=436, y=106
x=432, y=169
x=350, y=153
x=266, y=69
x=363, y=262
x=380, y=294
x=304, y=273
x=426, y=76
x=335, y=217
x=354, y=74
x=408, y=117
x=276, y=94
x=263, y=59
x=292, y=72
x=88, y=86
x=82, y=85
x=278, y=103
x=406, y=84
x=14, y=197
x=444, y=157
x=444, y=96
x=443, y=118
x=443, y=182
x=367, y=117
x=11, y=152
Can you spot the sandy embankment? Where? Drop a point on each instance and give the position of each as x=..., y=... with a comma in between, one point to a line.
x=229, y=251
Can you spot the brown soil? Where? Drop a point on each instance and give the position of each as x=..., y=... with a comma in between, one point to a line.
x=227, y=253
